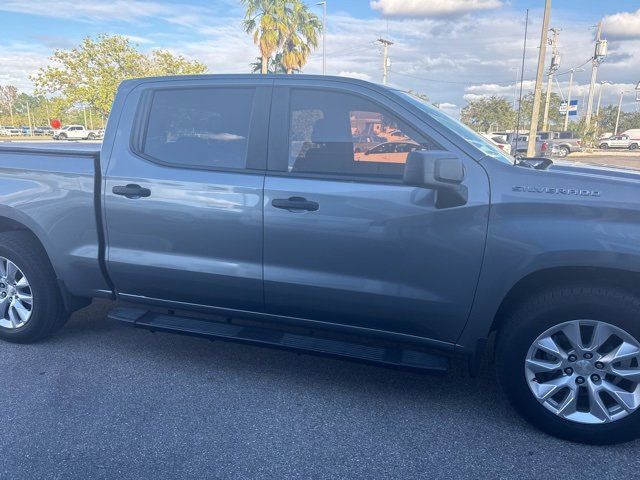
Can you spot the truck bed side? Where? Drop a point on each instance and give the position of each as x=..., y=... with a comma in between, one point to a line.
x=50, y=191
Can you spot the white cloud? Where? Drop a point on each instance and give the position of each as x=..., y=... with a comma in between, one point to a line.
x=101, y=10
x=431, y=8
x=359, y=75
x=622, y=25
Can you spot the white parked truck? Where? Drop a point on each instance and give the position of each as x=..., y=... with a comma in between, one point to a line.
x=76, y=132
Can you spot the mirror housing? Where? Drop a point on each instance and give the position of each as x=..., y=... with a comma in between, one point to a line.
x=438, y=170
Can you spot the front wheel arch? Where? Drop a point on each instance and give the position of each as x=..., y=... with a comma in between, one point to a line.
x=558, y=276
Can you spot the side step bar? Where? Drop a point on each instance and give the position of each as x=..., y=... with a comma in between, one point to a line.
x=396, y=357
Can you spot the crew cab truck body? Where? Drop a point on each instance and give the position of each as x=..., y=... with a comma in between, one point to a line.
x=243, y=197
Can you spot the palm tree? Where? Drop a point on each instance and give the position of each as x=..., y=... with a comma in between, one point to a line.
x=274, y=65
x=266, y=20
x=300, y=35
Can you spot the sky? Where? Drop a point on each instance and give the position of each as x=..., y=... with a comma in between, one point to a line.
x=451, y=50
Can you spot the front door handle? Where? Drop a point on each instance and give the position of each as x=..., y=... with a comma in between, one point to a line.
x=294, y=204
x=131, y=191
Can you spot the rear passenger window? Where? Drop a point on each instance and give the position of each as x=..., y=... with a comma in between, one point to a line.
x=341, y=134
x=199, y=127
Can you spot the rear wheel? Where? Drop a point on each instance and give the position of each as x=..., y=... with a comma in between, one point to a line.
x=563, y=151
x=30, y=304
x=604, y=146
x=569, y=361
x=633, y=146
x=62, y=136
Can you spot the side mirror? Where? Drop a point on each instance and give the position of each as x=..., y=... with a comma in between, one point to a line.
x=440, y=171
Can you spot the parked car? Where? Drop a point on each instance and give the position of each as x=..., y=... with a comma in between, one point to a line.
x=365, y=142
x=544, y=148
x=499, y=141
x=566, y=141
x=415, y=260
x=42, y=131
x=9, y=131
x=619, y=141
x=75, y=132
x=387, y=152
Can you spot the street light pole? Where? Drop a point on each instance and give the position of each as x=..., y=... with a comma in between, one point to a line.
x=324, y=36
x=615, y=132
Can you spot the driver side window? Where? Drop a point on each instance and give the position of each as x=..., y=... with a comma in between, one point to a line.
x=342, y=134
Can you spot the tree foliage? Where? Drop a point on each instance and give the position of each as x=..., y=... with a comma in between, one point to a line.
x=284, y=28
x=489, y=114
x=8, y=97
x=90, y=73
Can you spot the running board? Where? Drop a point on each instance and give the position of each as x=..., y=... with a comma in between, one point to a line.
x=396, y=357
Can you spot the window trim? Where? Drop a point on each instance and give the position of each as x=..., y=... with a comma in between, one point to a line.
x=256, y=136
x=278, y=161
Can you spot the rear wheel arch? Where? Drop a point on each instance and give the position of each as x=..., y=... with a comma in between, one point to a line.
x=8, y=224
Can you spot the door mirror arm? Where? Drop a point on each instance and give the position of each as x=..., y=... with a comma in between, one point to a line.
x=438, y=170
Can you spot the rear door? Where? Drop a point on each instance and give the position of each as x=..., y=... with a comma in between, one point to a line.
x=345, y=242
x=183, y=193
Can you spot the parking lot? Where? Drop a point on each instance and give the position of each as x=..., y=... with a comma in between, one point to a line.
x=101, y=400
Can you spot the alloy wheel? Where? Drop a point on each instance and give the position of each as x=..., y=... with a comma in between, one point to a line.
x=585, y=371
x=16, y=297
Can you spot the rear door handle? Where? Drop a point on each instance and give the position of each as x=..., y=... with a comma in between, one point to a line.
x=131, y=191
x=295, y=204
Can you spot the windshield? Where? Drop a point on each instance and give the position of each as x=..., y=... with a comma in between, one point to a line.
x=477, y=140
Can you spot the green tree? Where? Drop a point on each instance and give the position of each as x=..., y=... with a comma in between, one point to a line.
x=301, y=36
x=8, y=96
x=556, y=119
x=266, y=20
x=489, y=113
x=90, y=73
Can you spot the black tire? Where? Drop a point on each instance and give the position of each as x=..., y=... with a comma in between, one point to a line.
x=604, y=146
x=91, y=136
x=563, y=152
x=633, y=146
x=48, y=314
x=541, y=312
x=62, y=136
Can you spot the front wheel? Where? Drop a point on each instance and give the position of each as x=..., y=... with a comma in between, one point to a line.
x=604, y=146
x=563, y=152
x=569, y=361
x=30, y=303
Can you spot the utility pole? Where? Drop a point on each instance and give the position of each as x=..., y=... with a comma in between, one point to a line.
x=533, y=129
x=324, y=36
x=615, y=132
x=566, y=113
x=598, y=56
x=555, y=64
x=385, y=58
x=602, y=84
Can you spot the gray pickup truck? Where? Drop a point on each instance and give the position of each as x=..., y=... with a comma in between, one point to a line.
x=236, y=208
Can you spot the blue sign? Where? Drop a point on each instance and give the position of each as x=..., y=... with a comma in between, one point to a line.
x=573, y=107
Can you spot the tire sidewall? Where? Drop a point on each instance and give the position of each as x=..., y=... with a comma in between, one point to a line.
x=44, y=301
x=511, y=367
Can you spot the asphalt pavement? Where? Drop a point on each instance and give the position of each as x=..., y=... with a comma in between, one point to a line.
x=103, y=400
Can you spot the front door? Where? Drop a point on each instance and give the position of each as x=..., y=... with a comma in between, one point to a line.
x=183, y=204
x=345, y=241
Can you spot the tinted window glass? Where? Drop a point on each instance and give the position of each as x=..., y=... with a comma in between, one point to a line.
x=200, y=127
x=341, y=134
